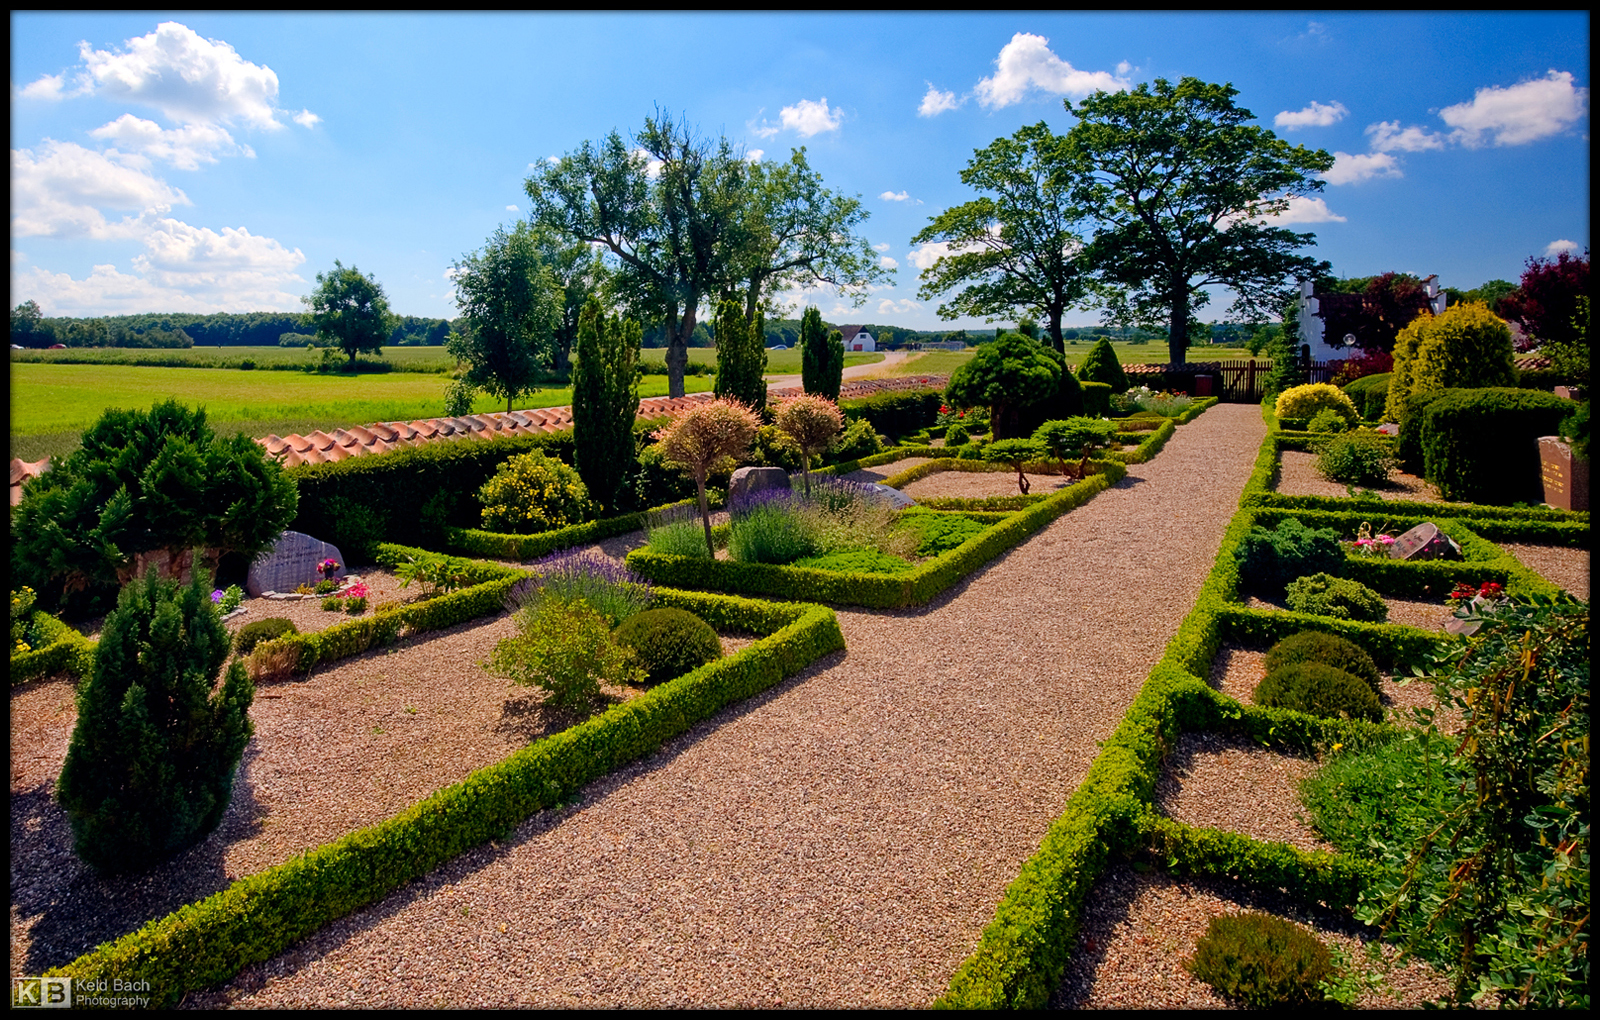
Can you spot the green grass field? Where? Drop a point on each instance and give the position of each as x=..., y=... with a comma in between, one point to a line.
x=401, y=359
x=945, y=362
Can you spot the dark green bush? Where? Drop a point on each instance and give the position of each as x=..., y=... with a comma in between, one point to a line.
x=1369, y=393
x=1341, y=598
x=1408, y=444
x=252, y=634
x=1262, y=960
x=1101, y=365
x=1328, y=420
x=1096, y=399
x=1481, y=446
x=669, y=642
x=1320, y=690
x=1269, y=560
x=1328, y=649
x=858, y=440
x=1575, y=430
x=956, y=435
x=897, y=413
x=1355, y=458
x=150, y=767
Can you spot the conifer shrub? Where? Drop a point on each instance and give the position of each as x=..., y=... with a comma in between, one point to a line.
x=252, y=634
x=1306, y=401
x=957, y=435
x=669, y=642
x=1328, y=649
x=150, y=767
x=1320, y=690
x=1338, y=597
x=1261, y=960
x=1269, y=560
x=533, y=493
x=1101, y=365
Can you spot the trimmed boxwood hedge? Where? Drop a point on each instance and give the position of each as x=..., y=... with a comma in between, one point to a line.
x=501, y=546
x=877, y=591
x=1482, y=445
x=63, y=650
x=260, y=916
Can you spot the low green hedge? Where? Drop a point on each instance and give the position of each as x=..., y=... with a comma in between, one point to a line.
x=260, y=916
x=1149, y=444
x=63, y=650
x=500, y=546
x=1316, y=876
x=878, y=591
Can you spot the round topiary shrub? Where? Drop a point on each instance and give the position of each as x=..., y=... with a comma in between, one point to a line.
x=1328, y=420
x=957, y=435
x=1328, y=649
x=1338, y=597
x=532, y=493
x=1355, y=458
x=1467, y=346
x=252, y=634
x=1320, y=690
x=1261, y=960
x=669, y=642
x=1305, y=401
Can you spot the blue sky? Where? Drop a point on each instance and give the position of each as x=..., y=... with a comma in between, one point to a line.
x=218, y=162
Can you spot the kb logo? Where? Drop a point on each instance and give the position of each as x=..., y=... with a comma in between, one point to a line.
x=42, y=993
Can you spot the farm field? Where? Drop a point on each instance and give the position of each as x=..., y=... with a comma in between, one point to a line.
x=52, y=404
x=945, y=362
x=401, y=359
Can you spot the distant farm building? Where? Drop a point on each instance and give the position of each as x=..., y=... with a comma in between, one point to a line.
x=858, y=339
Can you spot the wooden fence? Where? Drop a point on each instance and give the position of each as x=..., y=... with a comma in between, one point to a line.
x=1238, y=382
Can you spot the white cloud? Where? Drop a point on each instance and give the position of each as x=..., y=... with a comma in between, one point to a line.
x=185, y=147
x=903, y=306
x=1305, y=209
x=60, y=192
x=754, y=155
x=1388, y=136
x=887, y=262
x=896, y=196
x=305, y=118
x=1555, y=248
x=1027, y=62
x=1124, y=68
x=930, y=252
x=652, y=167
x=50, y=86
x=935, y=102
x=512, y=208
x=811, y=118
x=885, y=246
x=189, y=79
x=1518, y=114
x=1315, y=115
x=1348, y=169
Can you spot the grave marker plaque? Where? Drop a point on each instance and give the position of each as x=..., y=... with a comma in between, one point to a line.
x=750, y=480
x=291, y=562
x=1565, y=477
x=896, y=498
x=1425, y=542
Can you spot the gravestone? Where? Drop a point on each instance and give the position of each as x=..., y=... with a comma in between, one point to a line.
x=291, y=562
x=1565, y=477
x=1425, y=542
x=896, y=498
x=750, y=480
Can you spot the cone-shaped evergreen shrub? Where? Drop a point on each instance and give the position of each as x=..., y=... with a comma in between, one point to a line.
x=1101, y=365
x=151, y=764
x=821, y=356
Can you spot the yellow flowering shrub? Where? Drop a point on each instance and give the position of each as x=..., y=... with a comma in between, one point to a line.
x=534, y=493
x=1305, y=401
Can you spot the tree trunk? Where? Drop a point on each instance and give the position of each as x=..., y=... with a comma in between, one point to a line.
x=1055, y=333
x=1178, y=325
x=678, y=335
x=705, y=514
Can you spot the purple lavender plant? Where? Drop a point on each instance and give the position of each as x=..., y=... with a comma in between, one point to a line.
x=582, y=574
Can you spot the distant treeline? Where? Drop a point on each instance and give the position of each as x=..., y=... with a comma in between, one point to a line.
x=180, y=329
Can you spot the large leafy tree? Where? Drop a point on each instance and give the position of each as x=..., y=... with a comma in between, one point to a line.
x=1181, y=185
x=821, y=356
x=143, y=489
x=509, y=304
x=581, y=274
x=1545, y=305
x=605, y=401
x=667, y=210
x=350, y=310
x=797, y=233
x=1373, y=309
x=1016, y=249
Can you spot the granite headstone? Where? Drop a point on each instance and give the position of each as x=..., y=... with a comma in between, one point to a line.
x=1565, y=477
x=1425, y=542
x=896, y=498
x=291, y=562
x=750, y=480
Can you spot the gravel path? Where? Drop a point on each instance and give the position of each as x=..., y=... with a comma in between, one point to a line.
x=839, y=840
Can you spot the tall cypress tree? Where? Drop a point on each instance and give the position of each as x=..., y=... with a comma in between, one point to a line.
x=605, y=401
x=821, y=356
x=150, y=767
x=741, y=357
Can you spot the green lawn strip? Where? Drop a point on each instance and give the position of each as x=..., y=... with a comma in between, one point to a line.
x=262, y=915
x=1023, y=952
x=877, y=591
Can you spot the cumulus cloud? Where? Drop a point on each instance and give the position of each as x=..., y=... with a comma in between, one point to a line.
x=1026, y=62
x=50, y=86
x=305, y=118
x=887, y=262
x=1389, y=136
x=1348, y=169
x=1305, y=209
x=811, y=118
x=189, y=79
x=60, y=189
x=754, y=155
x=924, y=256
x=652, y=167
x=512, y=208
x=903, y=306
x=1520, y=113
x=896, y=196
x=1555, y=248
x=885, y=246
x=185, y=147
x=935, y=102
x=1315, y=115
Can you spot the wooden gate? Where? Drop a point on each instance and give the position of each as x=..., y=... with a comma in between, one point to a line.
x=1242, y=382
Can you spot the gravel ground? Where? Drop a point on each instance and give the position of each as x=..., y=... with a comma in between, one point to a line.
x=882, y=471
x=839, y=840
x=977, y=484
x=1141, y=925
x=1411, y=612
x=1236, y=671
x=1217, y=782
x=1559, y=565
x=1298, y=476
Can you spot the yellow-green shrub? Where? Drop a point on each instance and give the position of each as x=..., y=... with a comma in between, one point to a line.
x=534, y=493
x=1467, y=346
x=1305, y=401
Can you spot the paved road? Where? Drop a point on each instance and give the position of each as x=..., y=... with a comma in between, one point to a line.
x=890, y=358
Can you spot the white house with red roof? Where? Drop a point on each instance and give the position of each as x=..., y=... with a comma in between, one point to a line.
x=857, y=339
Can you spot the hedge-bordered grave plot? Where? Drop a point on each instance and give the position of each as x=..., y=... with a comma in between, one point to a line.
x=428, y=771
